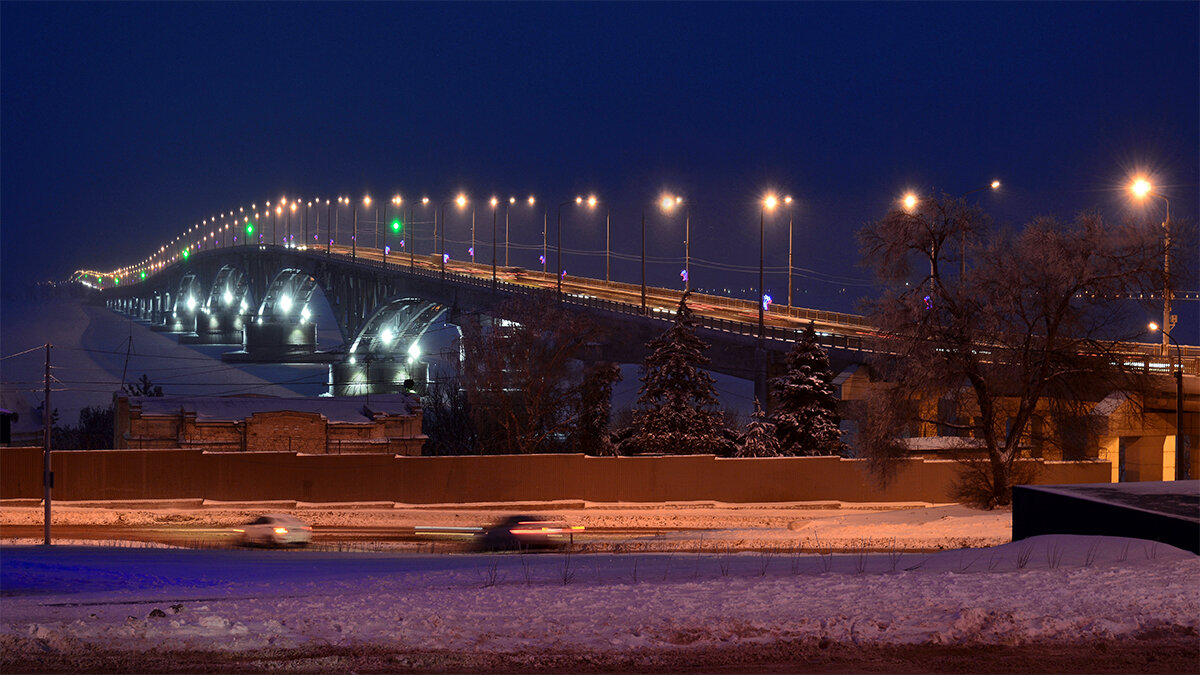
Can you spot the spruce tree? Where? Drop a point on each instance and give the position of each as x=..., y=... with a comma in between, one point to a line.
x=759, y=440
x=806, y=416
x=677, y=410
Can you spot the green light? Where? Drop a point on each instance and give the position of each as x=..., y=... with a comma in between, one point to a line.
x=249, y=228
x=185, y=254
x=143, y=274
x=116, y=280
x=397, y=225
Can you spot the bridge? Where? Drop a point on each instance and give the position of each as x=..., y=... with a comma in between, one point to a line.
x=258, y=296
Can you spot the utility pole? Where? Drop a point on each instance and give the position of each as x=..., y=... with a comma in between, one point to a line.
x=47, y=476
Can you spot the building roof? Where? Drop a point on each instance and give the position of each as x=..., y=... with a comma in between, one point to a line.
x=356, y=409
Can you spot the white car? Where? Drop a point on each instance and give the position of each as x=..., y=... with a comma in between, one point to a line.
x=276, y=529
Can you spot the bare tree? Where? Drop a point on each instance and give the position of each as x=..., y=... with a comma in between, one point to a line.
x=1020, y=344
x=523, y=375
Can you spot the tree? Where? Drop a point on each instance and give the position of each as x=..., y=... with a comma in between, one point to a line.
x=595, y=408
x=1024, y=340
x=806, y=412
x=677, y=409
x=143, y=387
x=759, y=439
x=446, y=420
x=523, y=377
x=94, y=432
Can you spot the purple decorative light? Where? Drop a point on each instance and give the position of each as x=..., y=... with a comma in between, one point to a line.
x=766, y=302
x=445, y=257
x=471, y=252
x=683, y=275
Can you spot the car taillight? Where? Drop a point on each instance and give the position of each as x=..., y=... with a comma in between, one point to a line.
x=281, y=530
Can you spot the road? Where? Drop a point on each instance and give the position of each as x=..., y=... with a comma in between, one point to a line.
x=431, y=538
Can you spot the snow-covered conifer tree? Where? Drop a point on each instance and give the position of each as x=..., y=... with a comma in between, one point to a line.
x=759, y=440
x=805, y=415
x=677, y=409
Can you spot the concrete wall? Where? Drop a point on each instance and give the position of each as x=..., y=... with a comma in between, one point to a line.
x=187, y=473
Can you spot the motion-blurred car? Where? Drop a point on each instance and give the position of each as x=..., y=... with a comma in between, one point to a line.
x=526, y=533
x=276, y=529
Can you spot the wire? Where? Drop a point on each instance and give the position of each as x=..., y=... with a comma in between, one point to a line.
x=31, y=349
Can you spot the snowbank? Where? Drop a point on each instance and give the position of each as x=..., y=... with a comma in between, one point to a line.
x=1051, y=589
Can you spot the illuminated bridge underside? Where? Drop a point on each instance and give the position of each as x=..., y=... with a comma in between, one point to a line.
x=387, y=351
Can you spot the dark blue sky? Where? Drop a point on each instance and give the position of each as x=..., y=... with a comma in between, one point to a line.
x=124, y=124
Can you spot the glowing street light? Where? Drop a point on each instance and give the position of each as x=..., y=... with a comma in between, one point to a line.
x=769, y=203
x=668, y=203
x=461, y=202
x=1141, y=189
x=909, y=202
x=560, y=272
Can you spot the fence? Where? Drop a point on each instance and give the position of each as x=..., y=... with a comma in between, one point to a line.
x=258, y=476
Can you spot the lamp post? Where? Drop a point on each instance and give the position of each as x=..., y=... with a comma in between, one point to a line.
x=643, y=260
x=769, y=203
x=994, y=185
x=1141, y=188
x=591, y=202
x=607, y=242
x=461, y=202
x=668, y=203
x=1183, y=460
x=397, y=224
x=495, y=203
x=291, y=237
x=788, y=201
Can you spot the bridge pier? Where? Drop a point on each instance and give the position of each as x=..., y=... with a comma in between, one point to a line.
x=376, y=376
x=216, y=328
x=279, y=341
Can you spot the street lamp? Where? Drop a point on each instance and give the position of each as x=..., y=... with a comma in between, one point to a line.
x=511, y=202
x=769, y=203
x=495, y=202
x=591, y=201
x=1142, y=188
x=668, y=203
x=461, y=202
x=291, y=237
x=788, y=201
x=994, y=185
x=1183, y=460
x=396, y=224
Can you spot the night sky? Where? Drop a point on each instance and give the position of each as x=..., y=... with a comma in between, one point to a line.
x=125, y=124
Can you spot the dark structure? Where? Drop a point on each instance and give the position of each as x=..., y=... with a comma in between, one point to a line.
x=1166, y=511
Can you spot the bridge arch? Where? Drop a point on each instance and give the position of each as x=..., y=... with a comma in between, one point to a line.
x=186, y=304
x=230, y=292
x=291, y=289
x=388, y=349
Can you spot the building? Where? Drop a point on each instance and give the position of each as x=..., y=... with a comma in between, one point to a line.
x=385, y=425
x=1136, y=433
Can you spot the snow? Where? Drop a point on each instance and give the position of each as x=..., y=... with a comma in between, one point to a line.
x=1046, y=589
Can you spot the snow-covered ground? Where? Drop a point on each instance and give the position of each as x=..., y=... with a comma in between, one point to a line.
x=1047, y=590
x=700, y=601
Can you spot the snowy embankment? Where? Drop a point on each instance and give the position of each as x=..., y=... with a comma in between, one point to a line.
x=1050, y=589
